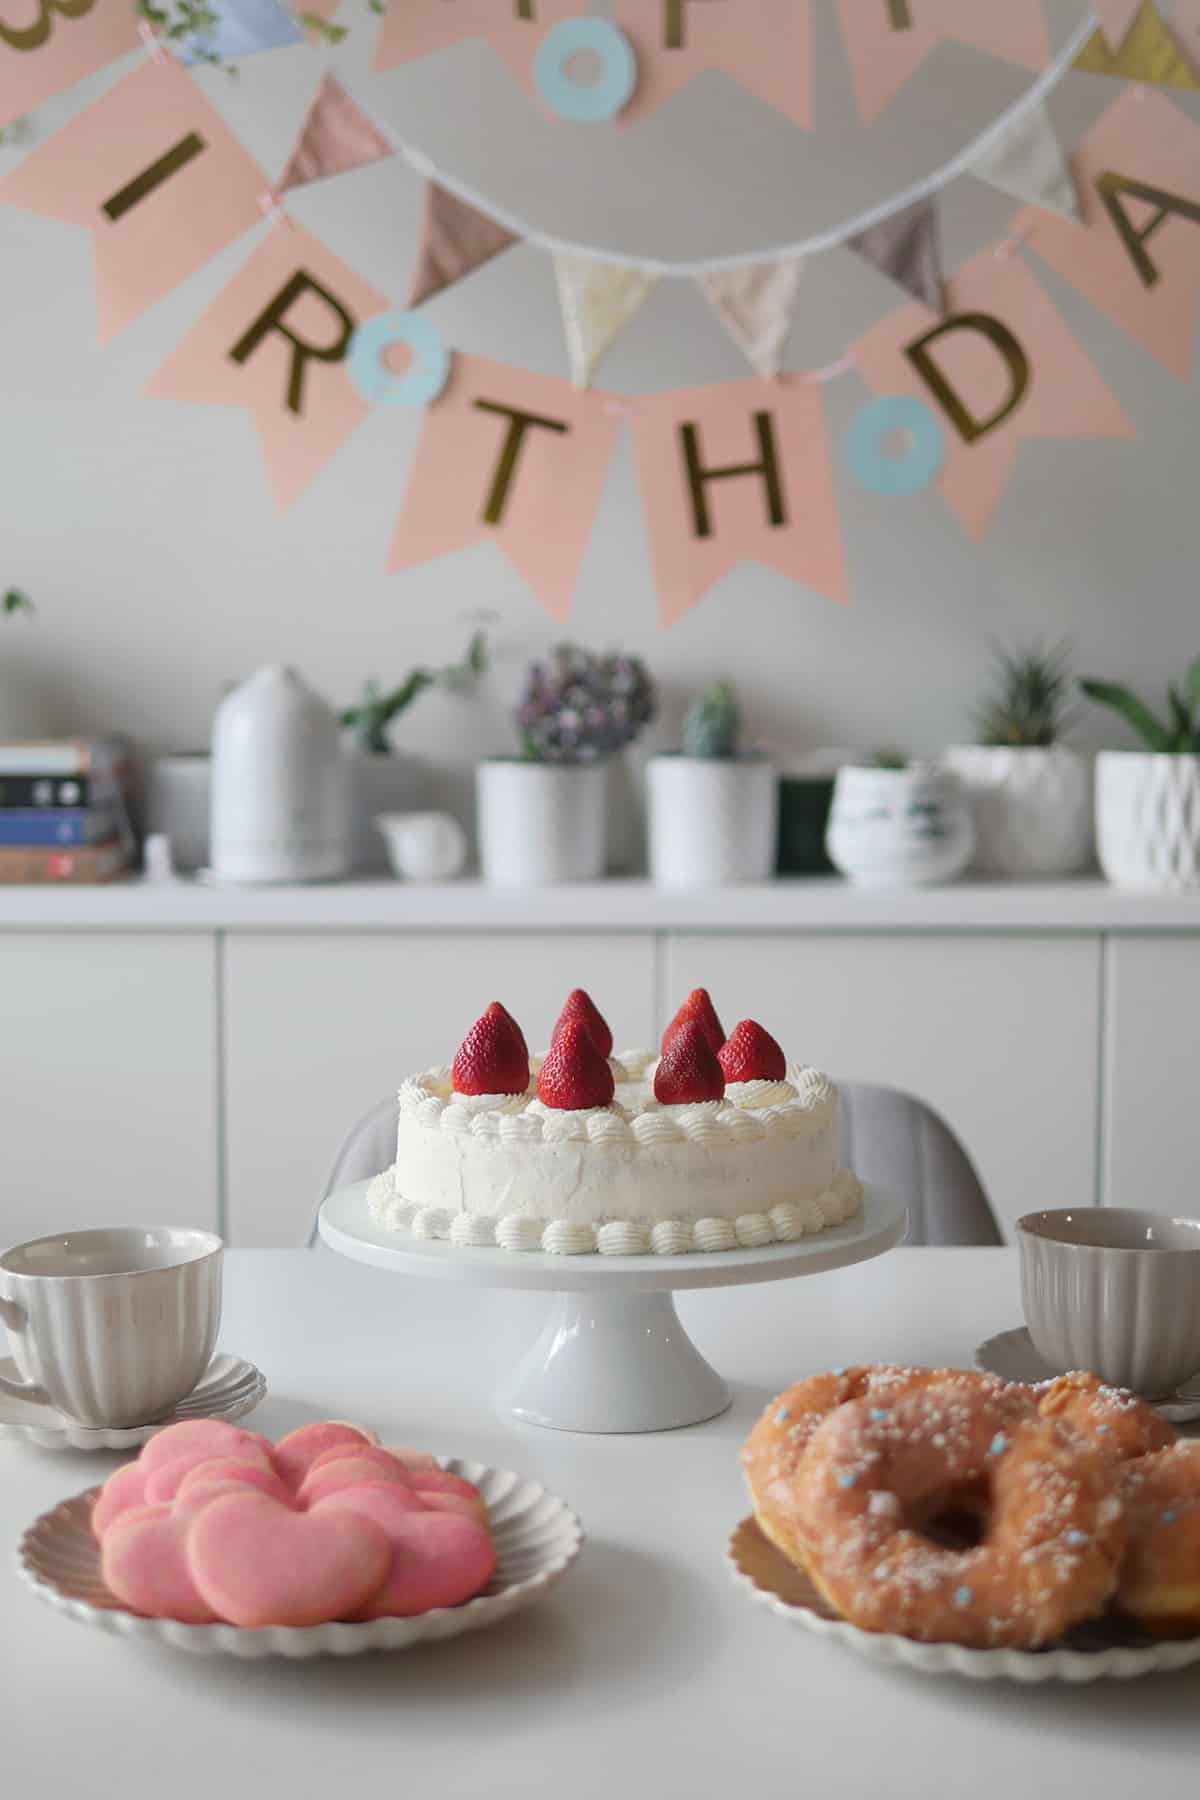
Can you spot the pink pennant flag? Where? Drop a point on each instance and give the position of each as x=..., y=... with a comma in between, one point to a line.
x=763, y=45
x=336, y=136
x=888, y=40
x=514, y=457
x=155, y=174
x=1114, y=18
x=738, y=472
x=45, y=48
x=514, y=29
x=275, y=342
x=1136, y=252
x=999, y=368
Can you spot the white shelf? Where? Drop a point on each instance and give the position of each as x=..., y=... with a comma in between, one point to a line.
x=799, y=904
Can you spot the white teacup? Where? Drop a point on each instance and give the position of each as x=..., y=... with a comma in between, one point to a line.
x=1116, y=1291
x=111, y=1327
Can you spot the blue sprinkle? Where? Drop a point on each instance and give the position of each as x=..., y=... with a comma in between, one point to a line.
x=1169, y=1517
x=963, y=1597
x=998, y=1445
x=847, y=1480
x=782, y=1416
x=879, y=1413
x=1102, y=1428
x=839, y=1371
x=1075, y=1538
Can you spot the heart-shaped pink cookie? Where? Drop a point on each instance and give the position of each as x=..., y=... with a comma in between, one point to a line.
x=380, y=1458
x=144, y=1562
x=124, y=1490
x=164, y=1479
x=296, y=1453
x=437, y=1560
x=450, y=1493
x=211, y=1436
x=226, y=1472
x=349, y=1471
x=257, y=1563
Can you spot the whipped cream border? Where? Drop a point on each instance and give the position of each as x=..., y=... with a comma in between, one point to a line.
x=783, y=1224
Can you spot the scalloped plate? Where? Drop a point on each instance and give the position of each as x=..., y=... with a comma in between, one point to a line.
x=1105, y=1649
x=229, y=1388
x=537, y=1537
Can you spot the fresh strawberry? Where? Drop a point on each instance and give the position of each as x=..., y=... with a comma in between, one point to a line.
x=492, y=1058
x=751, y=1054
x=502, y=1012
x=574, y=1074
x=689, y=1070
x=581, y=1006
x=697, y=1009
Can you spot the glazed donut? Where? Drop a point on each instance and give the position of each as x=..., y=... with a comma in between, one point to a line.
x=1114, y=1421
x=772, y=1453
x=879, y=1481
x=1160, y=1576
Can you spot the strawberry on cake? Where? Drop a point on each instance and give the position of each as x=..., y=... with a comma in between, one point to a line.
x=716, y=1144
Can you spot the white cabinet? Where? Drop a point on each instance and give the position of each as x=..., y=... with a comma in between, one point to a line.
x=1151, y=1147
x=319, y=1027
x=998, y=1034
x=108, y=1106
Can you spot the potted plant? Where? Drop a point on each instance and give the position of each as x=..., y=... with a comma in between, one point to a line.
x=895, y=823
x=712, y=805
x=1148, y=802
x=543, y=815
x=381, y=781
x=1030, y=793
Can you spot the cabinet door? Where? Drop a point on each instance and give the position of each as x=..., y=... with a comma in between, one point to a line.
x=320, y=1028
x=108, y=1108
x=1152, y=1120
x=998, y=1034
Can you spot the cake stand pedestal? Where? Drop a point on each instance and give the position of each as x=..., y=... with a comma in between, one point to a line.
x=613, y=1354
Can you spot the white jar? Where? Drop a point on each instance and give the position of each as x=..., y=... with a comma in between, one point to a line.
x=1032, y=807
x=279, y=787
x=541, y=822
x=1148, y=819
x=711, y=819
x=899, y=827
x=423, y=846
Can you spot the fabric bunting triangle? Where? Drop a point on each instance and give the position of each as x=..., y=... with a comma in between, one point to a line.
x=907, y=248
x=455, y=239
x=336, y=136
x=756, y=305
x=1148, y=53
x=597, y=300
x=1114, y=18
x=1028, y=161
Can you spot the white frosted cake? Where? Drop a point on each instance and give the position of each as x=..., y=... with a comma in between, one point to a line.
x=748, y=1166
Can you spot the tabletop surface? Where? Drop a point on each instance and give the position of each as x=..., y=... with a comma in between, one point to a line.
x=646, y=1672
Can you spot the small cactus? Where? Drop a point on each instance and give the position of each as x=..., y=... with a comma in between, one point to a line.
x=712, y=723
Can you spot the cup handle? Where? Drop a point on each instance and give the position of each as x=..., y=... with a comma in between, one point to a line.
x=12, y=1318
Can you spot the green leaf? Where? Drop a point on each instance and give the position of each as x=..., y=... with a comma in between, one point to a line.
x=1181, y=715
x=1191, y=681
x=15, y=601
x=322, y=28
x=1134, y=711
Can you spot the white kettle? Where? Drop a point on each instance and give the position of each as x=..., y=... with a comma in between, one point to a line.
x=279, y=809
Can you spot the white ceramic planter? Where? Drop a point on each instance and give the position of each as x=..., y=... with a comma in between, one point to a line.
x=711, y=820
x=1148, y=819
x=1032, y=808
x=541, y=822
x=899, y=827
x=280, y=807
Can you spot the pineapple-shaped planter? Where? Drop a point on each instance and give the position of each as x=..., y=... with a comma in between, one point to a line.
x=711, y=807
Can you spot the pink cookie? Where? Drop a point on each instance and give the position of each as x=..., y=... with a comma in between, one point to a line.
x=122, y=1491
x=349, y=1471
x=212, y=1436
x=295, y=1453
x=226, y=1472
x=369, y=1453
x=144, y=1562
x=437, y=1560
x=257, y=1563
x=414, y=1459
x=163, y=1481
x=450, y=1493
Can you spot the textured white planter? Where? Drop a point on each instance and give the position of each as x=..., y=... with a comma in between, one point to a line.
x=1032, y=808
x=280, y=806
x=1148, y=819
x=899, y=827
x=541, y=822
x=711, y=820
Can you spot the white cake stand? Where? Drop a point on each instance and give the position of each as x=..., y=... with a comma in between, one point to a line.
x=613, y=1355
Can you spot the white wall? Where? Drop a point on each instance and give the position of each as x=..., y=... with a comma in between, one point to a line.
x=145, y=531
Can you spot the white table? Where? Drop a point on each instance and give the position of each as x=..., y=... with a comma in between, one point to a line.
x=646, y=1673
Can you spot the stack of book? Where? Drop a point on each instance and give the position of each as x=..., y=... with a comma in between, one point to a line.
x=64, y=810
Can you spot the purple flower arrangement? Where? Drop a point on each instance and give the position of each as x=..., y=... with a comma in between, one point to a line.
x=579, y=707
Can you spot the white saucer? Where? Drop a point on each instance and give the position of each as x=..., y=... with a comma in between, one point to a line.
x=537, y=1538
x=1011, y=1355
x=229, y=1388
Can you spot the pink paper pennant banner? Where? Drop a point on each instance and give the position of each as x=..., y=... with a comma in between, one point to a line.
x=1136, y=253
x=514, y=457
x=1001, y=367
x=337, y=136
x=763, y=45
x=733, y=473
x=888, y=40
x=47, y=47
x=275, y=341
x=156, y=175
x=514, y=29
